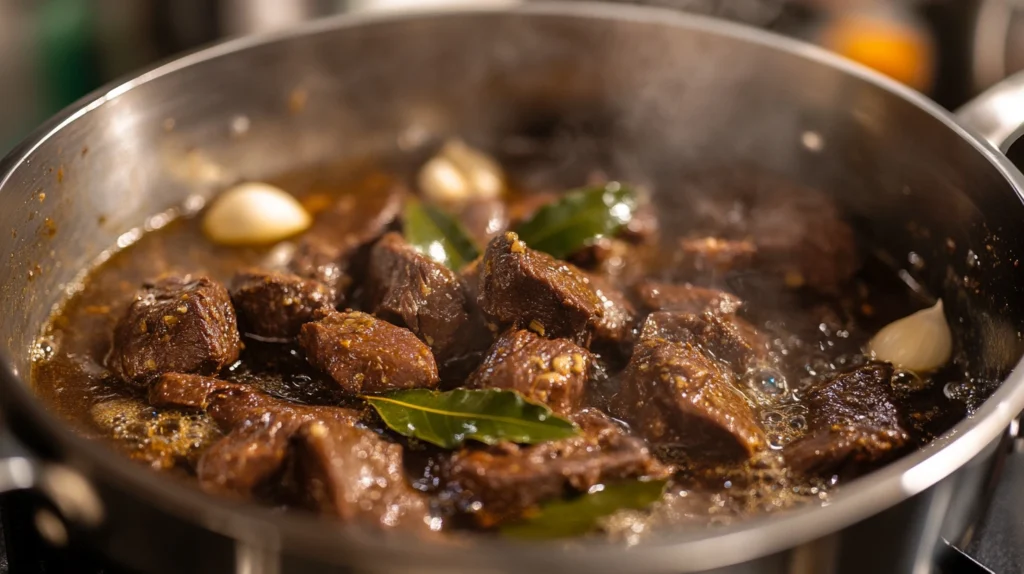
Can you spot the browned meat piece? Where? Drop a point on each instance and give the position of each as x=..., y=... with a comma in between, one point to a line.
x=336, y=248
x=505, y=481
x=729, y=339
x=530, y=289
x=177, y=390
x=414, y=291
x=177, y=324
x=675, y=395
x=714, y=257
x=853, y=424
x=317, y=261
x=358, y=219
x=550, y=371
x=686, y=298
x=613, y=332
x=353, y=473
x=798, y=232
x=258, y=429
x=484, y=219
x=232, y=404
x=366, y=355
x=275, y=305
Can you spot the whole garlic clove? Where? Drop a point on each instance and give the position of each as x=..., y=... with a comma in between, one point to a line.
x=254, y=214
x=921, y=342
x=459, y=173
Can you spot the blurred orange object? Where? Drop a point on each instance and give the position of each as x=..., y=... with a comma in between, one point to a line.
x=890, y=43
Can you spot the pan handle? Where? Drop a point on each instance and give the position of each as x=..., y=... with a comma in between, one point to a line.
x=69, y=492
x=997, y=114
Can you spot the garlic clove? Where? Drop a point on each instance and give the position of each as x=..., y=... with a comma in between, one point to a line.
x=442, y=182
x=481, y=171
x=459, y=173
x=920, y=342
x=254, y=214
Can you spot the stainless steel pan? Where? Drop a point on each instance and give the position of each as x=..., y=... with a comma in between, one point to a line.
x=659, y=95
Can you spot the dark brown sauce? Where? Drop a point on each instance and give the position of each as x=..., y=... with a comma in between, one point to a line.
x=814, y=335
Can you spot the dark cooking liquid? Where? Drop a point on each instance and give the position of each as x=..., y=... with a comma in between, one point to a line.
x=822, y=335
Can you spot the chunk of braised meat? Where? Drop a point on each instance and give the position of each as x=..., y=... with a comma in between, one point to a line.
x=276, y=305
x=674, y=394
x=337, y=467
x=354, y=474
x=366, y=355
x=258, y=428
x=335, y=249
x=853, y=424
x=528, y=289
x=798, y=232
x=714, y=257
x=414, y=291
x=550, y=371
x=729, y=339
x=505, y=481
x=176, y=324
x=684, y=297
x=358, y=219
x=315, y=260
x=484, y=219
x=613, y=332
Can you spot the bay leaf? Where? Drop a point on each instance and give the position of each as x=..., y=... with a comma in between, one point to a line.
x=579, y=217
x=578, y=516
x=447, y=419
x=437, y=235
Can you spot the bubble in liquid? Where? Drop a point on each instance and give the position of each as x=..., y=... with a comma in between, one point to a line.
x=797, y=422
x=908, y=381
x=772, y=417
x=767, y=381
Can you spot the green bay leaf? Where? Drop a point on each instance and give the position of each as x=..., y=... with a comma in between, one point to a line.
x=576, y=219
x=447, y=419
x=437, y=235
x=578, y=516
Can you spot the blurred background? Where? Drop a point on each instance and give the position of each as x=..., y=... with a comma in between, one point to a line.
x=54, y=51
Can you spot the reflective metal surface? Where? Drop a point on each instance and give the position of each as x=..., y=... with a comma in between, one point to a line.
x=659, y=95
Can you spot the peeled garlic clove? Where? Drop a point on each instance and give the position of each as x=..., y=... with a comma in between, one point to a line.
x=254, y=214
x=921, y=342
x=442, y=182
x=459, y=173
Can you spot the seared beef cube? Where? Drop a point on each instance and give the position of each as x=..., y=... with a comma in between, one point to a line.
x=853, y=424
x=246, y=459
x=276, y=305
x=798, y=232
x=550, y=371
x=317, y=261
x=686, y=298
x=335, y=249
x=366, y=355
x=258, y=426
x=506, y=481
x=358, y=219
x=675, y=395
x=414, y=291
x=613, y=332
x=177, y=324
x=356, y=475
x=233, y=404
x=530, y=289
x=484, y=219
x=726, y=338
x=714, y=257
x=177, y=390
